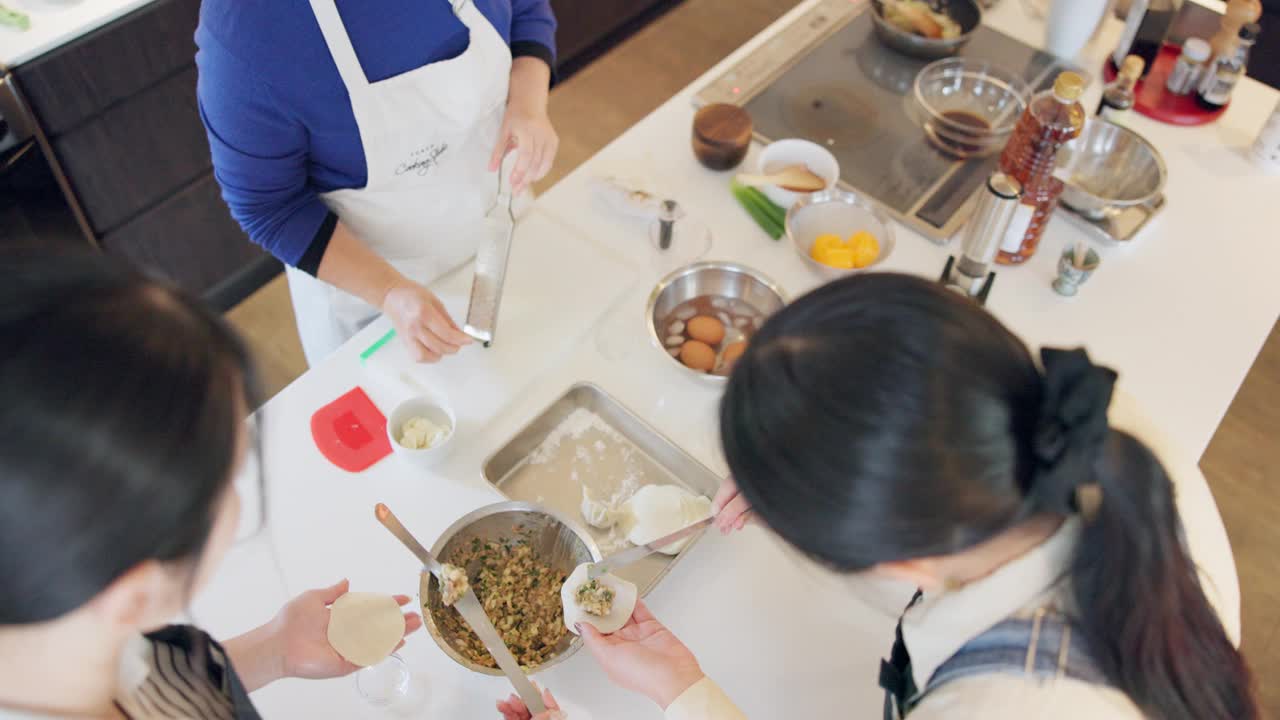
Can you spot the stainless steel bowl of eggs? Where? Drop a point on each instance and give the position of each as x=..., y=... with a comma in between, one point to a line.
x=702, y=316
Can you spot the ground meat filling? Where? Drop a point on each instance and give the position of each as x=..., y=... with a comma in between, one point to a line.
x=594, y=598
x=521, y=596
x=453, y=584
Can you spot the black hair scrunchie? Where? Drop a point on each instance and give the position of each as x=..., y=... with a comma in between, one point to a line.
x=1072, y=428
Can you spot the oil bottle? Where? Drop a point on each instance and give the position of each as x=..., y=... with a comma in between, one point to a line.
x=1052, y=118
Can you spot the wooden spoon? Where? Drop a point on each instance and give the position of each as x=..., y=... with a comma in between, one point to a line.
x=796, y=178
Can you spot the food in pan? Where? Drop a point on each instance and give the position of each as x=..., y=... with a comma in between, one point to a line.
x=698, y=355
x=732, y=352
x=597, y=513
x=584, y=600
x=915, y=16
x=519, y=593
x=453, y=584
x=706, y=329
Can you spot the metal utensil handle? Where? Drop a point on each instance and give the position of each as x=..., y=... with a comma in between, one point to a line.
x=392, y=523
x=469, y=607
x=639, y=552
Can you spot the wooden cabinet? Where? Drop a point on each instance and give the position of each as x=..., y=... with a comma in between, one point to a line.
x=185, y=239
x=79, y=80
x=118, y=107
x=136, y=153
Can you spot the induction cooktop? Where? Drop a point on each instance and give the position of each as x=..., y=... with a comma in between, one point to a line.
x=826, y=78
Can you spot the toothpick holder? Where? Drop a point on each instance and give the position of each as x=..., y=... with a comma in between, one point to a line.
x=1070, y=277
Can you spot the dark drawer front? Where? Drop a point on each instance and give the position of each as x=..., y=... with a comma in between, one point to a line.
x=135, y=154
x=189, y=239
x=583, y=23
x=75, y=82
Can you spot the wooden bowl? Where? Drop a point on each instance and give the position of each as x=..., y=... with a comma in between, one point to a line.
x=721, y=136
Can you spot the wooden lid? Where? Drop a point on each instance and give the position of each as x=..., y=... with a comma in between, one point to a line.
x=723, y=124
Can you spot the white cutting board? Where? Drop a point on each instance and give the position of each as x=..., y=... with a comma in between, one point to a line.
x=559, y=283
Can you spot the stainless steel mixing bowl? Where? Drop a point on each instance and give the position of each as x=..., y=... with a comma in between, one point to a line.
x=965, y=12
x=717, y=279
x=557, y=541
x=1109, y=168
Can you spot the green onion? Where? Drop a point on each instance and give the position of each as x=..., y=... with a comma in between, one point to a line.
x=770, y=217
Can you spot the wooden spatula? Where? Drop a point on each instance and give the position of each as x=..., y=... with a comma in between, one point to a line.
x=796, y=178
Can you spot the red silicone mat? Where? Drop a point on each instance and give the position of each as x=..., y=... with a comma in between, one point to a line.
x=351, y=432
x=1152, y=99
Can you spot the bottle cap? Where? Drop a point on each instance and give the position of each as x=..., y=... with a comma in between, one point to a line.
x=1250, y=32
x=1132, y=67
x=1004, y=186
x=1069, y=86
x=1196, y=49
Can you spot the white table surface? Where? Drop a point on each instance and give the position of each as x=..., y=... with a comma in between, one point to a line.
x=1182, y=342
x=55, y=23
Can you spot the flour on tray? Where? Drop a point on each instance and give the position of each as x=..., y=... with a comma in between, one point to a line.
x=573, y=427
x=603, y=463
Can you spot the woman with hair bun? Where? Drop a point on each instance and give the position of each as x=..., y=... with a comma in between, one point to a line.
x=883, y=425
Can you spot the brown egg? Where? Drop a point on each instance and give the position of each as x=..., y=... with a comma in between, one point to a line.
x=698, y=355
x=733, y=351
x=707, y=329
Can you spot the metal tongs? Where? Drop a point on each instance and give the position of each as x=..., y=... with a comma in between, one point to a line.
x=491, y=262
x=468, y=606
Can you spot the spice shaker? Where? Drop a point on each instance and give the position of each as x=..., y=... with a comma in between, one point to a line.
x=1238, y=13
x=1266, y=149
x=1118, y=98
x=1191, y=63
x=997, y=202
x=1222, y=75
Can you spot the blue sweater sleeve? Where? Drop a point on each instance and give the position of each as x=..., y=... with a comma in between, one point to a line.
x=260, y=156
x=533, y=26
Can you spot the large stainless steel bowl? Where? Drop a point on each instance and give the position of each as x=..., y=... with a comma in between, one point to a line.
x=965, y=12
x=720, y=279
x=1109, y=168
x=557, y=541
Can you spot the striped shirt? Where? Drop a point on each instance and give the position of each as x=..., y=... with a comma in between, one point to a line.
x=177, y=673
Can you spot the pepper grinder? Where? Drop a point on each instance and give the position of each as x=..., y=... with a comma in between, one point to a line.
x=1238, y=14
x=677, y=238
x=971, y=273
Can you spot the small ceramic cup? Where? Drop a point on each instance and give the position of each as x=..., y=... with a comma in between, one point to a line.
x=783, y=153
x=434, y=410
x=1070, y=277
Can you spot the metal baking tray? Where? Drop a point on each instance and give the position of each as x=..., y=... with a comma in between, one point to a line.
x=604, y=461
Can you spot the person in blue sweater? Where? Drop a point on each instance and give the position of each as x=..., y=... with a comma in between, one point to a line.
x=359, y=142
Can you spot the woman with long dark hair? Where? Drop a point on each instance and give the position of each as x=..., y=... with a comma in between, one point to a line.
x=122, y=428
x=885, y=425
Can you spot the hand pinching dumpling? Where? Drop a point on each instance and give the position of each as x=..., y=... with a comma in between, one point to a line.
x=584, y=599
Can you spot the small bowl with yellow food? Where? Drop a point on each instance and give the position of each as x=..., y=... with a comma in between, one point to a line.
x=838, y=233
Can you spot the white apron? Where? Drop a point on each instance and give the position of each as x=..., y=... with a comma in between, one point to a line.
x=428, y=135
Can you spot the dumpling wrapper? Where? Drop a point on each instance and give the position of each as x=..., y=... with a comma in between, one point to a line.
x=597, y=513
x=365, y=627
x=625, y=596
x=658, y=510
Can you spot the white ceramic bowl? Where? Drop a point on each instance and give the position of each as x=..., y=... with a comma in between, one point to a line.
x=433, y=410
x=783, y=153
x=841, y=213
